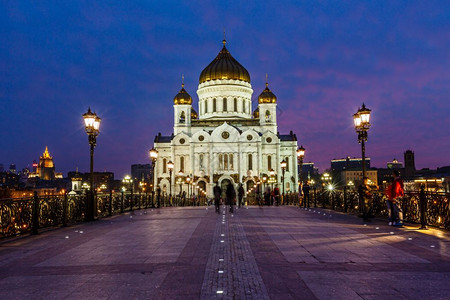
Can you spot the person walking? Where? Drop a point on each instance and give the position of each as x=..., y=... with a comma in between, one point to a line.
x=240, y=195
x=276, y=194
x=217, y=191
x=231, y=196
x=395, y=192
x=305, y=190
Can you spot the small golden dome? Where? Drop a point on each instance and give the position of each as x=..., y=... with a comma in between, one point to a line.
x=267, y=96
x=256, y=113
x=182, y=97
x=224, y=66
x=194, y=114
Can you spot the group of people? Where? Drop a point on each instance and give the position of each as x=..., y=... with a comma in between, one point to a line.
x=230, y=197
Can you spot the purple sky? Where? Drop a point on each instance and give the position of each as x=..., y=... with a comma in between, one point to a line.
x=125, y=61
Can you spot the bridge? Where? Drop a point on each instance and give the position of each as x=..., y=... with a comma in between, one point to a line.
x=275, y=252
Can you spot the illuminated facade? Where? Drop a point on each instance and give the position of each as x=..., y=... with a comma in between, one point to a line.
x=46, y=169
x=226, y=142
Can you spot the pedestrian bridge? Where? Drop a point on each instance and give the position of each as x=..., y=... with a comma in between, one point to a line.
x=282, y=252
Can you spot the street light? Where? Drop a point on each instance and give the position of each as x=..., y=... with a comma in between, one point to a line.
x=283, y=169
x=272, y=176
x=127, y=180
x=300, y=156
x=361, y=120
x=188, y=181
x=92, y=126
x=170, y=166
x=153, y=156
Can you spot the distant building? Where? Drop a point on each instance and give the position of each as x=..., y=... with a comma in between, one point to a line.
x=141, y=172
x=410, y=166
x=394, y=164
x=100, y=178
x=2, y=168
x=354, y=177
x=46, y=169
x=338, y=165
x=12, y=169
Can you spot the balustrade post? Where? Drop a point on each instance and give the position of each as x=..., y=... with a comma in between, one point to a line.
x=423, y=208
x=64, y=219
x=121, y=203
x=110, y=203
x=35, y=215
x=345, y=199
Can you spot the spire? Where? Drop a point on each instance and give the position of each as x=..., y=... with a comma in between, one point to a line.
x=224, y=38
x=182, y=80
x=267, y=82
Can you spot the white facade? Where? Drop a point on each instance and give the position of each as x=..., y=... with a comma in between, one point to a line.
x=227, y=142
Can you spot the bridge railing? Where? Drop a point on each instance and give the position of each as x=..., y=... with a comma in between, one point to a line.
x=426, y=208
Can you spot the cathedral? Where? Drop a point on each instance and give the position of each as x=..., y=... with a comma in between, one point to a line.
x=226, y=141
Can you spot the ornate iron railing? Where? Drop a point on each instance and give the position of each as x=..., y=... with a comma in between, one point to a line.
x=426, y=208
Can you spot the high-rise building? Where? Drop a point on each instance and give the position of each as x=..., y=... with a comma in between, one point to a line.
x=338, y=165
x=45, y=169
x=410, y=166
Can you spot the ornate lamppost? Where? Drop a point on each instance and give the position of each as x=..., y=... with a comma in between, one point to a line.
x=153, y=156
x=92, y=126
x=272, y=176
x=170, y=166
x=188, y=181
x=300, y=156
x=180, y=174
x=361, y=120
x=283, y=169
x=127, y=180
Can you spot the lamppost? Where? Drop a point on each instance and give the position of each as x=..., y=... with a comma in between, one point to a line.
x=361, y=120
x=300, y=156
x=92, y=126
x=283, y=169
x=153, y=156
x=180, y=174
x=170, y=166
x=272, y=176
x=188, y=181
x=264, y=182
x=127, y=180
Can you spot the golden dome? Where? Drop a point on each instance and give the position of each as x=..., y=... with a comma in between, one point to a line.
x=182, y=97
x=194, y=114
x=224, y=66
x=267, y=96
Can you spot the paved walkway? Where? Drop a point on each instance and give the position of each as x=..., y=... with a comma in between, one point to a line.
x=256, y=253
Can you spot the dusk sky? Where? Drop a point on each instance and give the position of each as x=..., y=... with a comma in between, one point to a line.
x=124, y=59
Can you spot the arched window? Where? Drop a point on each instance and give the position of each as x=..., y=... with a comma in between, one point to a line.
x=225, y=104
x=206, y=107
x=235, y=104
x=267, y=116
x=288, y=186
x=231, y=161
x=214, y=105
x=269, y=162
x=182, y=117
x=287, y=163
x=164, y=165
x=182, y=163
x=243, y=106
x=225, y=162
x=250, y=162
x=220, y=162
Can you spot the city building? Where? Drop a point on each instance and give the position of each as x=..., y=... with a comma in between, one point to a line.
x=354, y=177
x=101, y=179
x=12, y=169
x=226, y=142
x=338, y=165
x=45, y=170
x=394, y=164
x=141, y=172
x=410, y=166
